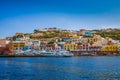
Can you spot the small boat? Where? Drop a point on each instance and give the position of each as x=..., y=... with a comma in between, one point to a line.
x=65, y=53
x=19, y=52
x=25, y=53
x=61, y=53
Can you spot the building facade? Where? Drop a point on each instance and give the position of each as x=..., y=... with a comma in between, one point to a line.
x=110, y=48
x=71, y=47
x=16, y=46
x=4, y=42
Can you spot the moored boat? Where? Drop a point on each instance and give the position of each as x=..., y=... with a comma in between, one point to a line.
x=61, y=53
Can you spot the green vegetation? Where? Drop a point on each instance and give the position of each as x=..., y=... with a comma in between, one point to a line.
x=18, y=36
x=51, y=42
x=112, y=33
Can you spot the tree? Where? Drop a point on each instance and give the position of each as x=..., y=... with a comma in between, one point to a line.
x=51, y=42
x=14, y=38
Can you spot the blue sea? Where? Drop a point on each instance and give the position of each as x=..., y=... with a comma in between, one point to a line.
x=60, y=68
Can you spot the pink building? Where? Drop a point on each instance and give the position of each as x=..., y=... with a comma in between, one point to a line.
x=87, y=49
x=4, y=49
x=4, y=42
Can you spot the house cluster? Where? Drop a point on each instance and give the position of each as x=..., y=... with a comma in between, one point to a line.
x=78, y=42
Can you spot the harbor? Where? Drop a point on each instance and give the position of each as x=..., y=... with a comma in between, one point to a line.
x=43, y=53
x=78, y=43
x=59, y=39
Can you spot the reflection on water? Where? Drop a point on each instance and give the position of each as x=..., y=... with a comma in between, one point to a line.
x=73, y=68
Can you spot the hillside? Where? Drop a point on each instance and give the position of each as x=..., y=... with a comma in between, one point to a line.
x=112, y=33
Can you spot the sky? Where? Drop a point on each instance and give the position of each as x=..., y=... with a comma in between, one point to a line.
x=27, y=15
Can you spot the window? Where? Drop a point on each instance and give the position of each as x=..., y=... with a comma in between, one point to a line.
x=16, y=48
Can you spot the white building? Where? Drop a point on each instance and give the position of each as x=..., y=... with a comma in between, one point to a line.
x=119, y=48
x=36, y=44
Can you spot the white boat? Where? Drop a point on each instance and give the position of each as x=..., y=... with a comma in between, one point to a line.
x=65, y=53
x=19, y=52
x=47, y=53
x=61, y=53
x=25, y=53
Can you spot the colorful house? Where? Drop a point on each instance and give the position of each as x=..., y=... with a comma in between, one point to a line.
x=16, y=46
x=88, y=34
x=65, y=39
x=110, y=48
x=50, y=47
x=93, y=39
x=71, y=47
x=61, y=44
x=26, y=48
x=4, y=42
x=119, y=48
x=82, y=32
x=95, y=48
x=75, y=37
x=83, y=47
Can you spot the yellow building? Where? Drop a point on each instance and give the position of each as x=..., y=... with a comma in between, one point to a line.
x=70, y=47
x=93, y=39
x=109, y=39
x=75, y=37
x=89, y=40
x=110, y=48
x=16, y=45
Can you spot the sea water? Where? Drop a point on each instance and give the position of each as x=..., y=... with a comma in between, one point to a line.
x=60, y=68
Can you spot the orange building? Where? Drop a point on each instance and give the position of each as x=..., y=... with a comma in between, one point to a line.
x=16, y=46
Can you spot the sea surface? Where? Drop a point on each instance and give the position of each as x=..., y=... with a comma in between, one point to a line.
x=60, y=68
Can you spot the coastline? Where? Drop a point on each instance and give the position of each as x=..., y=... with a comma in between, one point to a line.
x=2, y=56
